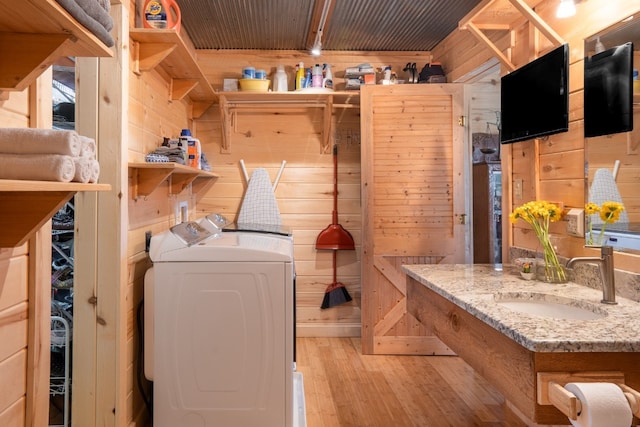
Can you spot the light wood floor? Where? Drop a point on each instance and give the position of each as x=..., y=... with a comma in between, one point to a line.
x=345, y=388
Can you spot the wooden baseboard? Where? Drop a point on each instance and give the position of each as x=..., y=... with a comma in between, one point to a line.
x=341, y=330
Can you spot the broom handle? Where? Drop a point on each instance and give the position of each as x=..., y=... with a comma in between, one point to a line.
x=335, y=184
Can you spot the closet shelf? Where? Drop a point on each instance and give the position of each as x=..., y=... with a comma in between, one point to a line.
x=34, y=34
x=232, y=103
x=148, y=176
x=153, y=48
x=29, y=204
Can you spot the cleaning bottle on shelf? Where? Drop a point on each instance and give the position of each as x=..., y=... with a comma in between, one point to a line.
x=327, y=82
x=280, y=80
x=316, y=77
x=300, y=76
x=161, y=14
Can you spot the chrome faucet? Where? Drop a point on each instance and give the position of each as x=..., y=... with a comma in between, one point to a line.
x=605, y=264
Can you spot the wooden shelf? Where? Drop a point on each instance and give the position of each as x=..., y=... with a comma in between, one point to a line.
x=34, y=34
x=233, y=102
x=27, y=205
x=154, y=48
x=148, y=176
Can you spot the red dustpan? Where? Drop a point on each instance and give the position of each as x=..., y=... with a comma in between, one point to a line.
x=335, y=236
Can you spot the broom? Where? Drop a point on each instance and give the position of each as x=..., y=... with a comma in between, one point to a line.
x=336, y=293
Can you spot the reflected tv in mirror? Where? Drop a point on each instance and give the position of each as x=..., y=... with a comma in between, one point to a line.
x=608, y=91
x=534, y=99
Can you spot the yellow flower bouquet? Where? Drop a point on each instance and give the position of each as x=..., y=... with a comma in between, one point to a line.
x=609, y=213
x=539, y=214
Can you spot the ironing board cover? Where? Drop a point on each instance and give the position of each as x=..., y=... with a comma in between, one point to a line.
x=604, y=189
x=259, y=205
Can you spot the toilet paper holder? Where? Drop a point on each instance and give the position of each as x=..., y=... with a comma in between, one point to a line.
x=550, y=390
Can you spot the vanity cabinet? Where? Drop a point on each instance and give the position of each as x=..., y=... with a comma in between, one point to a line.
x=510, y=367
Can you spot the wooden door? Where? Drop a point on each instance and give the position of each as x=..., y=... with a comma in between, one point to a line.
x=414, y=179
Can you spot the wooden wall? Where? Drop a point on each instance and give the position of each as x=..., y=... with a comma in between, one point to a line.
x=552, y=169
x=25, y=289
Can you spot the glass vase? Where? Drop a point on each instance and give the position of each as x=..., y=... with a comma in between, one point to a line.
x=548, y=266
x=551, y=273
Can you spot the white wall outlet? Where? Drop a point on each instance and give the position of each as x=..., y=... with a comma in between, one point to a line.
x=575, y=222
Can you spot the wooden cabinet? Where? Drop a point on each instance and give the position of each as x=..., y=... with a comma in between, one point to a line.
x=33, y=35
x=487, y=213
x=413, y=204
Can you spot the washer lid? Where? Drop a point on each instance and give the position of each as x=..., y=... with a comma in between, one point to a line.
x=225, y=247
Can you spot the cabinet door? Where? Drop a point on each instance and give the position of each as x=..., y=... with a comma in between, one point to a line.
x=414, y=204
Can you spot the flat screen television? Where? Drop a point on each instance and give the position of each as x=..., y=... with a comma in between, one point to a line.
x=608, y=91
x=534, y=99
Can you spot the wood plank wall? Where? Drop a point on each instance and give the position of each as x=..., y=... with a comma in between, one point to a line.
x=552, y=169
x=24, y=299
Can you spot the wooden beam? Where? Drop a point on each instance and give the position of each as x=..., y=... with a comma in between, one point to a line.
x=545, y=29
x=315, y=20
x=480, y=35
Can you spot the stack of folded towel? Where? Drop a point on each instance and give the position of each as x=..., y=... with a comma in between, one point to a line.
x=93, y=15
x=47, y=155
x=166, y=154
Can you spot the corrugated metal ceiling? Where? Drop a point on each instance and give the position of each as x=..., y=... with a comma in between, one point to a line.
x=356, y=25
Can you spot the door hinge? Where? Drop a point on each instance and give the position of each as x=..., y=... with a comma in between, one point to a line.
x=462, y=121
x=462, y=219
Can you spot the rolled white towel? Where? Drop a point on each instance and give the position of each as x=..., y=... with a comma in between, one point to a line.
x=83, y=169
x=37, y=167
x=39, y=141
x=95, y=170
x=87, y=147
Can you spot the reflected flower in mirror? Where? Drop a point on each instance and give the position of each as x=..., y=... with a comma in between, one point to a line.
x=609, y=213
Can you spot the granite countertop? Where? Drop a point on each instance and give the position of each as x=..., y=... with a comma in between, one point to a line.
x=473, y=287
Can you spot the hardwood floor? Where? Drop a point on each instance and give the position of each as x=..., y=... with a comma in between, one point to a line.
x=345, y=388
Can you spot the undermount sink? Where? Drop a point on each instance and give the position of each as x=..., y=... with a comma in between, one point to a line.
x=549, y=306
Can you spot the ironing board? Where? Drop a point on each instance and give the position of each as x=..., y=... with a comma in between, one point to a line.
x=604, y=189
x=259, y=205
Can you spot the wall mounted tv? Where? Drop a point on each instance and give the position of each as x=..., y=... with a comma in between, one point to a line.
x=535, y=98
x=608, y=91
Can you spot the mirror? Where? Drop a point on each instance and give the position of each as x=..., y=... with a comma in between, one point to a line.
x=613, y=161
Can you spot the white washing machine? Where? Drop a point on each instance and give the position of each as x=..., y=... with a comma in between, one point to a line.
x=219, y=329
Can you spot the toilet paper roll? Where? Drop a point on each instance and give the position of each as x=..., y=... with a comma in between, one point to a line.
x=603, y=404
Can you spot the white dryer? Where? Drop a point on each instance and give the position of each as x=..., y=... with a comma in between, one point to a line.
x=219, y=317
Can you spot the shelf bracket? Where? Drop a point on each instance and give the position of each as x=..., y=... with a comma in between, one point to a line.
x=199, y=108
x=147, y=180
x=472, y=23
x=181, y=87
x=26, y=56
x=27, y=211
x=326, y=128
x=147, y=56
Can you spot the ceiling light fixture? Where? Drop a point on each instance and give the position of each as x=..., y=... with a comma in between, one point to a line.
x=566, y=9
x=317, y=45
x=316, y=50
